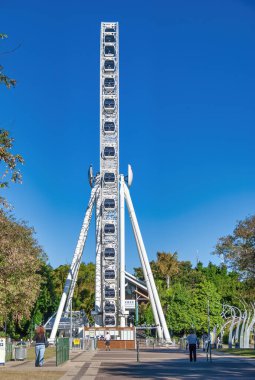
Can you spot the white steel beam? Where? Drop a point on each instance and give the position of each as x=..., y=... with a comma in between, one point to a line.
x=122, y=252
x=147, y=281
x=98, y=276
x=146, y=264
x=76, y=259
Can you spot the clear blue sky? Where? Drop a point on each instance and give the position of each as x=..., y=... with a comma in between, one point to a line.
x=187, y=116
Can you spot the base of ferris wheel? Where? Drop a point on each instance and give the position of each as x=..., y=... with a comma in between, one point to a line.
x=68, y=322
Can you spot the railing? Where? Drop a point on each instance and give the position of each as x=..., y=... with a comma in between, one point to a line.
x=62, y=350
x=8, y=352
x=150, y=342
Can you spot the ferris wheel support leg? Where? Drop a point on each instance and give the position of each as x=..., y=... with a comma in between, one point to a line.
x=147, y=264
x=72, y=286
x=73, y=272
x=98, y=275
x=151, y=297
x=122, y=253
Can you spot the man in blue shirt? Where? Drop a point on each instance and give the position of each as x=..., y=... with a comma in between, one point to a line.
x=192, y=341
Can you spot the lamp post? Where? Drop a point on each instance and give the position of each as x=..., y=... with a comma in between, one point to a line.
x=209, y=347
x=71, y=325
x=208, y=318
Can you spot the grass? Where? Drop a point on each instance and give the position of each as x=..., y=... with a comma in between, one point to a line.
x=27, y=374
x=50, y=352
x=239, y=351
x=30, y=375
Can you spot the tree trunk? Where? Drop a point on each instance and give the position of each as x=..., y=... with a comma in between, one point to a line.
x=168, y=281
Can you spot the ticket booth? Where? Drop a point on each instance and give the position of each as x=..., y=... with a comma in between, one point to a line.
x=122, y=338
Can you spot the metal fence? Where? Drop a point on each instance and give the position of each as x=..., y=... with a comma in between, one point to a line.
x=62, y=350
x=150, y=342
x=8, y=352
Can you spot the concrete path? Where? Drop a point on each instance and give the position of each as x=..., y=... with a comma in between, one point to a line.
x=158, y=364
x=154, y=364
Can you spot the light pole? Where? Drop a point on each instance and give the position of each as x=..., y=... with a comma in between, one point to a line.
x=71, y=325
x=209, y=347
x=208, y=318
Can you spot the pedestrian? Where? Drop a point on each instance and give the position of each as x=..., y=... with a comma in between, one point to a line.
x=107, y=341
x=40, y=343
x=192, y=340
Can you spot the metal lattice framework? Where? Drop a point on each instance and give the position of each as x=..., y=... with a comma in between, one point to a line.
x=108, y=194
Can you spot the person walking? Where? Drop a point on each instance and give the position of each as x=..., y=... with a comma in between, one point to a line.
x=192, y=341
x=40, y=343
x=107, y=341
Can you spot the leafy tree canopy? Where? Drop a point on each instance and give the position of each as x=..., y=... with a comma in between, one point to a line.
x=238, y=249
x=20, y=262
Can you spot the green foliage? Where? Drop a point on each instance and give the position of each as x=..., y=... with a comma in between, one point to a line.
x=84, y=296
x=9, y=162
x=20, y=263
x=4, y=79
x=146, y=315
x=185, y=301
x=238, y=249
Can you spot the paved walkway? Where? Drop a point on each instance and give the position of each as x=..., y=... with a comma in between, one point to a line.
x=154, y=364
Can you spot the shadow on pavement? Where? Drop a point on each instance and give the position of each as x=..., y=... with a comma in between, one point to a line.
x=178, y=369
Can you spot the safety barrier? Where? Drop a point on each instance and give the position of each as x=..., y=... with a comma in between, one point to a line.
x=62, y=350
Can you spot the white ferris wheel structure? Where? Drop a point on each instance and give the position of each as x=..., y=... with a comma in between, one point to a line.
x=109, y=193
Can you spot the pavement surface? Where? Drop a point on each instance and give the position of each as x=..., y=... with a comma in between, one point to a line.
x=153, y=364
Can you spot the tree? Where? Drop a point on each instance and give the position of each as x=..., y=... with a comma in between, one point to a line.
x=20, y=261
x=9, y=162
x=4, y=79
x=47, y=300
x=168, y=265
x=84, y=292
x=238, y=249
x=178, y=315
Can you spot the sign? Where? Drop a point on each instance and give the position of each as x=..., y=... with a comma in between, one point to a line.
x=2, y=350
x=130, y=304
x=76, y=342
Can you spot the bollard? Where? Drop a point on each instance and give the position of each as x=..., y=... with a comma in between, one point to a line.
x=137, y=351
